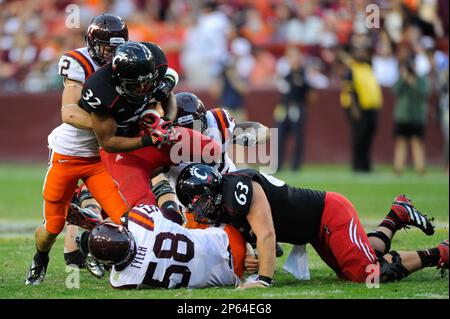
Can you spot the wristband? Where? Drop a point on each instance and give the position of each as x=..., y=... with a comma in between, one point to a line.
x=161, y=188
x=264, y=280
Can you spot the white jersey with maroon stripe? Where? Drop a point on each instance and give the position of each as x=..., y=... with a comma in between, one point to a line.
x=171, y=256
x=220, y=128
x=75, y=65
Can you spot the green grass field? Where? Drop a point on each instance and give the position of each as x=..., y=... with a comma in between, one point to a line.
x=20, y=213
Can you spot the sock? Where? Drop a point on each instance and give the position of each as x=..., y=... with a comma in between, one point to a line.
x=41, y=256
x=429, y=257
x=391, y=221
x=75, y=258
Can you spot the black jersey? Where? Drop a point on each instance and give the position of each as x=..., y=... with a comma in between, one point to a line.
x=99, y=96
x=296, y=212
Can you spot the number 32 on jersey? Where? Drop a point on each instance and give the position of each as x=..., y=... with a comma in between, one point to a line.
x=90, y=99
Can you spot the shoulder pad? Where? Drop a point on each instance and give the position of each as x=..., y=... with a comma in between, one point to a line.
x=75, y=66
x=237, y=194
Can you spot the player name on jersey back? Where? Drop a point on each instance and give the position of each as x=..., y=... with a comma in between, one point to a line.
x=171, y=256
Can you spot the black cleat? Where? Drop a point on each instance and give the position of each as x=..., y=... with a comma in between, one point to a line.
x=37, y=272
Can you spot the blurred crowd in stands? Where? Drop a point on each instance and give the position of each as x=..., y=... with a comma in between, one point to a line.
x=203, y=38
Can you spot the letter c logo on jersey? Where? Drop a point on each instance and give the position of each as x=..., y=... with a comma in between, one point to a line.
x=243, y=191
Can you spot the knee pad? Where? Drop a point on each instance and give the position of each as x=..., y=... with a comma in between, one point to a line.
x=392, y=271
x=54, y=224
x=385, y=239
x=55, y=216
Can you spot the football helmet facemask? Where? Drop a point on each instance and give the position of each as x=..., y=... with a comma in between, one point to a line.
x=198, y=188
x=134, y=72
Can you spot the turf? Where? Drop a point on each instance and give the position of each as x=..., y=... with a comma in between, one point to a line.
x=20, y=205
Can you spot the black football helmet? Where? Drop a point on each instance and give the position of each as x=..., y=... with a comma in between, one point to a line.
x=104, y=34
x=190, y=112
x=199, y=189
x=112, y=244
x=134, y=72
x=160, y=60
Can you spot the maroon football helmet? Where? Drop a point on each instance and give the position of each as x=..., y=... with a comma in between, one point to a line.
x=103, y=35
x=112, y=244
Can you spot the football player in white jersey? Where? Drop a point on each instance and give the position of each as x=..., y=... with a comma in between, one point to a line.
x=156, y=251
x=218, y=124
x=104, y=34
x=74, y=152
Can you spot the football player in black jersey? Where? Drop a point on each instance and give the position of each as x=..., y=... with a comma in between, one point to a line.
x=118, y=97
x=266, y=210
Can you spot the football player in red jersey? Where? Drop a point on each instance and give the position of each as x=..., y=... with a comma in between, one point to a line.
x=266, y=209
x=117, y=96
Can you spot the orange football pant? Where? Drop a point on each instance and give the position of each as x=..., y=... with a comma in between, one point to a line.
x=61, y=181
x=237, y=242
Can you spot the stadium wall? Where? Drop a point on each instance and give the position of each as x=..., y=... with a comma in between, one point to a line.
x=27, y=119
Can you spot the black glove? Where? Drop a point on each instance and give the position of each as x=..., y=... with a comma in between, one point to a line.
x=163, y=90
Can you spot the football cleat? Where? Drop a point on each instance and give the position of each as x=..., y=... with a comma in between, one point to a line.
x=408, y=215
x=37, y=272
x=94, y=267
x=443, y=261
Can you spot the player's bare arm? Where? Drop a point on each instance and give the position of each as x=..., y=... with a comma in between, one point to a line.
x=165, y=195
x=105, y=128
x=71, y=113
x=260, y=220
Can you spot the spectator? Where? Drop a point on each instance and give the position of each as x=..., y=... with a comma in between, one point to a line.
x=232, y=78
x=410, y=114
x=307, y=27
x=384, y=62
x=204, y=45
x=255, y=28
x=362, y=98
x=291, y=114
x=263, y=70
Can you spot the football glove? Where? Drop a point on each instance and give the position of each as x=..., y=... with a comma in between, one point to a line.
x=245, y=139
